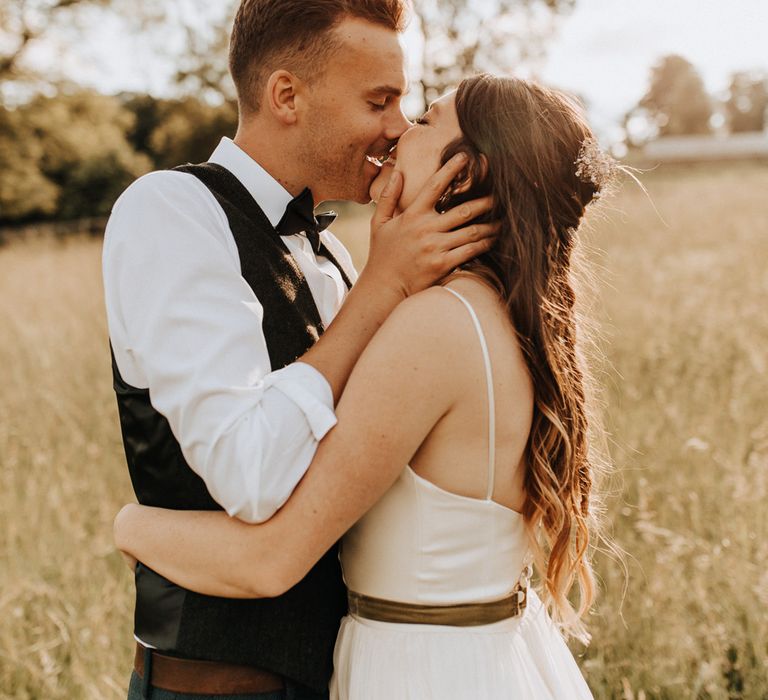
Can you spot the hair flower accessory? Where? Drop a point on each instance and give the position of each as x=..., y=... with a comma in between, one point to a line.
x=595, y=165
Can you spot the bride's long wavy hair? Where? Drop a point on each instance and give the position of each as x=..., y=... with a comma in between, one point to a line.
x=523, y=141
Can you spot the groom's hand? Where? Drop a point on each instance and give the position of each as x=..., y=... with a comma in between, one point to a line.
x=412, y=250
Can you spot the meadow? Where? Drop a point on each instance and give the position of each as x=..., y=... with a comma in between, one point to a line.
x=681, y=311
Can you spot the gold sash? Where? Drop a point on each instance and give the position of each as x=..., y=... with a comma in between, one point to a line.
x=462, y=615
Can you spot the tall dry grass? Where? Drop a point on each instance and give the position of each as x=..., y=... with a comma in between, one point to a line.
x=685, y=332
x=684, y=315
x=65, y=602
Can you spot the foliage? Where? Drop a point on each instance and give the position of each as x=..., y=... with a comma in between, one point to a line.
x=676, y=102
x=462, y=37
x=66, y=155
x=189, y=130
x=24, y=190
x=71, y=155
x=747, y=103
x=175, y=131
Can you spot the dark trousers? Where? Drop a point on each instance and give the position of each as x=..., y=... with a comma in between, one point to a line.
x=291, y=692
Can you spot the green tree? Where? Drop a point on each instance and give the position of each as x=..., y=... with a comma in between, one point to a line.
x=147, y=112
x=66, y=156
x=462, y=37
x=86, y=153
x=676, y=102
x=747, y=102
x=25, y=191
x=188, y=131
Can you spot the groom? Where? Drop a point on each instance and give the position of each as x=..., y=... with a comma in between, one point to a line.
x=219, y=281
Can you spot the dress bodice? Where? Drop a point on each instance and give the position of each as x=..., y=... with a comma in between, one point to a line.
x=423, y=544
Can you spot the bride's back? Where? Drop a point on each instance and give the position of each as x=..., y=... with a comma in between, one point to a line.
x=435, y=537
x=455, y=454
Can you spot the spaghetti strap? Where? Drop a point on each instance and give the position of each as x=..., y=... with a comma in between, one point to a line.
x=491, y=401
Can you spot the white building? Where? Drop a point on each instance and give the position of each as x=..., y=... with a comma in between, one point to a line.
x=752, y=145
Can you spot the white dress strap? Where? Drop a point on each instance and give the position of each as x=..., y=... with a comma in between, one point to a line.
x=491, y=401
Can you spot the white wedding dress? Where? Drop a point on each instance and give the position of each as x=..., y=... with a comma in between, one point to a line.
x=424, y=545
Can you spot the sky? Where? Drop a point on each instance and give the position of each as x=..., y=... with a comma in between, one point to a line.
x=603, y=50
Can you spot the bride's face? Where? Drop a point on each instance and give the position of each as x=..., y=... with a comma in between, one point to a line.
x=417, y=155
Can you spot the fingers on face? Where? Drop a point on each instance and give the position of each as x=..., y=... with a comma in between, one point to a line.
x=392, y=188
x=463, y=253
x=466, y=212
x=387, y=203
x=441, y=180
x=476, y=233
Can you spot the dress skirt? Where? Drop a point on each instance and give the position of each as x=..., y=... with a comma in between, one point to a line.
x=523, y=658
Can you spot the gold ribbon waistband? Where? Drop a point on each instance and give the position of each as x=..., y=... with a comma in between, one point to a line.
x=462, y=615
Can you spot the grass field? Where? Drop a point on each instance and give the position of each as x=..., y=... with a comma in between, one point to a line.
x=682, y=312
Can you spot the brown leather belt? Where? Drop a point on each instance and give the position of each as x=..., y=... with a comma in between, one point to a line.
x=462, y=615
x=205, y=677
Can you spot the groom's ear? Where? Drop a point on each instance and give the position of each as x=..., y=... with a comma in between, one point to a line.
x=280, y=96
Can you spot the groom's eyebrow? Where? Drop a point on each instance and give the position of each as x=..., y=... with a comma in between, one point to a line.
x=390, y=90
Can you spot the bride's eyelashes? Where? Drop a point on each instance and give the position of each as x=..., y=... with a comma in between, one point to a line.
x=421, y=120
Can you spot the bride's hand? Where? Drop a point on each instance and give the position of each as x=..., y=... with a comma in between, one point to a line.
x=412, y=250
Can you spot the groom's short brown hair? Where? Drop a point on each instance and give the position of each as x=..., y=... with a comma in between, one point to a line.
x=295, y=35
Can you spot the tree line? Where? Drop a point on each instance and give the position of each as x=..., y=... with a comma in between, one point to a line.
x=677, y=104
x=70, y=155
x=67, y=152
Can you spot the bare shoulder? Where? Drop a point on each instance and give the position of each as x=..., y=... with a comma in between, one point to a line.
x=497, y=326
x=432, y=306
x=427, y=318
x=484, y=299
x=474, y=289
x=424, y=334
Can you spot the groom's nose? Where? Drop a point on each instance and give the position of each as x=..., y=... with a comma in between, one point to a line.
x=397, y=125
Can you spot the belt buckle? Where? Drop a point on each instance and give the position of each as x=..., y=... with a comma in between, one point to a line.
x=521, y=589
x=521, y=598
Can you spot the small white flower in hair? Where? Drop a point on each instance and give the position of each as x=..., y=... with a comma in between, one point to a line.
x=595, y=165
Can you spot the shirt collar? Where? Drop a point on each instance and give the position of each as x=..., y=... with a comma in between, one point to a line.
x=269, y=194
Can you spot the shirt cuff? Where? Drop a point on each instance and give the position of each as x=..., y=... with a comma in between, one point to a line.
x=310, y=391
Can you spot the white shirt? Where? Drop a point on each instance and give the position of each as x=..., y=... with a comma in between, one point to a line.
x=185, y=324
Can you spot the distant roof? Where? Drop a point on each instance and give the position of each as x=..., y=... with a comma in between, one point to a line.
x=752, y=144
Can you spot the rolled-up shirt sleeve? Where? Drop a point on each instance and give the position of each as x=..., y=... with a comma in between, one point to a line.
x=186, y=325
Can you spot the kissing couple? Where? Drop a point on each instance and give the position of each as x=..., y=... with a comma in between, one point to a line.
x=346, y=481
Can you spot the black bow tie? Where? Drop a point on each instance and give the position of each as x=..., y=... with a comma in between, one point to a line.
x=299, y=217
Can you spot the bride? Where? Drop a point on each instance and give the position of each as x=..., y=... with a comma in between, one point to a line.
x=460, y=456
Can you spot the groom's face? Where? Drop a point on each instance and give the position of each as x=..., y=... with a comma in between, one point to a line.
x=354, y=111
